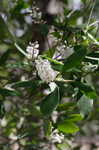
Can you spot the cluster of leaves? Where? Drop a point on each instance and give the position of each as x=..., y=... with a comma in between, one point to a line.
x=25, y=110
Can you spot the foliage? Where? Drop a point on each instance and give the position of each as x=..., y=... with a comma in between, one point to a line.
x=36, y=113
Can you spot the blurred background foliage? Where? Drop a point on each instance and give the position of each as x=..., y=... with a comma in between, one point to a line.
x=32, y=117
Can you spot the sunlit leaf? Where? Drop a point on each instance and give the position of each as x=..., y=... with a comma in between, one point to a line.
x=75, y=117
x=85, y=105
x=4, y=31
x=68, y=127
x=66, y=106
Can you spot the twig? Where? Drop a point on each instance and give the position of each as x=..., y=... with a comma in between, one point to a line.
x=62, y=80
x=91, y=14
x=20, y=49
x=94, y=23
x=92, y=38
x=92, y=58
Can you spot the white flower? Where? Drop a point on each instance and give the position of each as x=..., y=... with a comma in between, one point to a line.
x=12, y=136
x=8, y=87
x=7, y=105
x=32, y=50
x=45, y=72
x=3, y=122
x=63, y=52
x=20, y=123
x=52, y=86
x=88, y=67
x=56, y=137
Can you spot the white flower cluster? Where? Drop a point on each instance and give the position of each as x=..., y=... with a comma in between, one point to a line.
x=45, y=72
x=52, y=87
x=88, y=67
x=36, y=13
x=63, y=51
x=57, y=137
x=3, y=122
x=32, y=50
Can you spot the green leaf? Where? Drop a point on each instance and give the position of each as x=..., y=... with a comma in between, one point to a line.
x=85, y=105
x=75, y=117
x=53, y=60
x=68, y=127
x=85, y=89
x=2, y=110
x=50, y=52
x=31, y=84
x=49, y=104
x=21, y=4
x=64, y=146
x=47, y=127
x=66, y=106
x=72, y=20
x=4, y=57
x=75, y=59
x=24, y=84
x=57, y=67
x=4, y=31
x=6, y=92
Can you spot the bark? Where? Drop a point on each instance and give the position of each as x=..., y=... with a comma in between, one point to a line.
x=85, y=147
x=49, y=9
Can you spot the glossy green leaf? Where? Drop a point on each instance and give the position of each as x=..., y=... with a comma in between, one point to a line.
x=68, y=127
x=15, y=11
x=86, y=89
x=6, y=92
x=57, y=67
x=26, y=83
x=53, y=60
x=4, y=57
x=85, y=105
x=75, y=117
x=75, y=59
x=2, y=110
x=47, y=127
x=4, y=31
x=49, y=104
x=66, y=106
